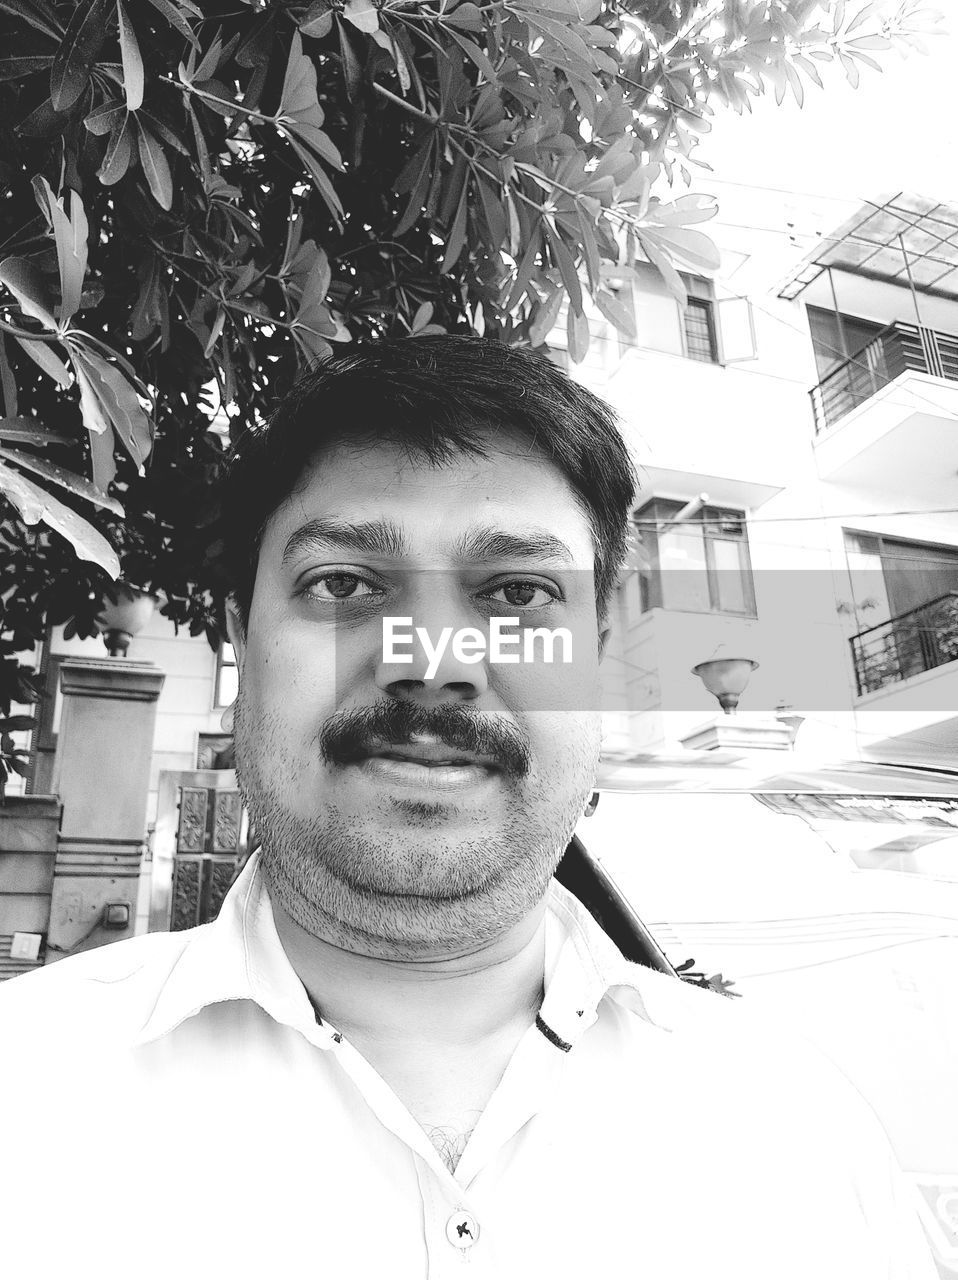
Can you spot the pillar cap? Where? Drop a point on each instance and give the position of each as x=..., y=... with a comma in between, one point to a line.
x=111, y=678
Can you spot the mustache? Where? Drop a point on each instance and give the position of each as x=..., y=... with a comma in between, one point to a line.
x=349, y=735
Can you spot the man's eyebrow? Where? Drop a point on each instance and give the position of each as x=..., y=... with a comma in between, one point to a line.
x=523, y=544
x=374, y=537
x=386, y=538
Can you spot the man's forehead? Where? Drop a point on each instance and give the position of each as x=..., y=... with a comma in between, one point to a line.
x=476, y=507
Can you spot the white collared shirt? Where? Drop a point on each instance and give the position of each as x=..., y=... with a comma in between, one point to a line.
x=171, y=1106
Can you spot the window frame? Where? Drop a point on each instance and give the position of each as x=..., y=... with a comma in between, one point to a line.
x=222, y=664
x=702, y=294
x=650, y=585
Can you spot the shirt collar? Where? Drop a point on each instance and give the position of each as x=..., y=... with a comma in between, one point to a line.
x=239, y=956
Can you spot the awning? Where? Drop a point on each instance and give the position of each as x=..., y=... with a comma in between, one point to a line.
x=890, y=239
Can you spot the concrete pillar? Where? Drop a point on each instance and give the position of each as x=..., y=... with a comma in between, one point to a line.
x=101, y=774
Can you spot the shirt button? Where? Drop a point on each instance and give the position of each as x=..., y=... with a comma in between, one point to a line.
x=462, y=1230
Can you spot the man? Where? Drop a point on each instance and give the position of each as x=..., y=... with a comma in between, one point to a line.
x=403, y=1049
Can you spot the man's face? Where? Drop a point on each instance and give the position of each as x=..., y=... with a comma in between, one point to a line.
x=420, y=807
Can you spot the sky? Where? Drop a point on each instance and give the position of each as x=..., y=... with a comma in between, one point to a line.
x=896, y=132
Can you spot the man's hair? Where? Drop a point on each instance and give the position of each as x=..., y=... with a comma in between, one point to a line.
x=434, y=397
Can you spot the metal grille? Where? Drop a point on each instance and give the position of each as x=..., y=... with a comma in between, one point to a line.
x=897, y=349
x=700, y=331
x=916, y=641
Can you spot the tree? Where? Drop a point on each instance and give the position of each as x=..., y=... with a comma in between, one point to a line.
x=200, y=198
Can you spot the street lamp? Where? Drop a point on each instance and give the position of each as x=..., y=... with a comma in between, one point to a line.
x=725, y=677
x=126, y=611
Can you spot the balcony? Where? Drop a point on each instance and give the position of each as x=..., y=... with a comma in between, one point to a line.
x=917, y=641
x=899, y=348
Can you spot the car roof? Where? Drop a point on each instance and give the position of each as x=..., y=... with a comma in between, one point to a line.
x=756, y=770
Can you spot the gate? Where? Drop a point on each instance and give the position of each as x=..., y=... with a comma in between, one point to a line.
x=199, y=845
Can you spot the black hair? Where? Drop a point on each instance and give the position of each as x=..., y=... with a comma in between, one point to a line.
x=435, y=396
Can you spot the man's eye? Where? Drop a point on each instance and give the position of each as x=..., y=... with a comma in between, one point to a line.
x=339, y=586
x=524, y=595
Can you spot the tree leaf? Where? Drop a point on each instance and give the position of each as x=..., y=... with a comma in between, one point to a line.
x=352, y=71
x=547, y=313
x=36, y=505
x=176, y=19
x=48, y=361
x=25, y=281
x=7, y=382
x=28, y=431
x=102, y=120
x=319, y=25
x=665, y=268
x=467, y=17
x=16, y=66
x=74, y=60
x=118, y=154
x=616, y=312
x=132, y=61
x=38, y=15
x=457, y=233
x=79, y=486
x=102, y=460
x=118, y=403
x=363, y=14
x=322, y=183
x=476, y=55
x=577, y=332
x=567, y=268
x=693, y=247
x=70, y=232
x=155, y=166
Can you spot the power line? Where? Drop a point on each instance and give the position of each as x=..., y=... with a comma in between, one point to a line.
x=784, y=191
x=848, y=515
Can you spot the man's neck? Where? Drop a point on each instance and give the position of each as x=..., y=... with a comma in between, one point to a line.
x=448, y=1001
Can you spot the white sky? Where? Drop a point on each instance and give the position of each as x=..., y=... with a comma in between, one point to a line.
x=896, y=132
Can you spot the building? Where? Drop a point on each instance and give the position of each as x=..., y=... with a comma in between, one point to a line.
x=799, y=454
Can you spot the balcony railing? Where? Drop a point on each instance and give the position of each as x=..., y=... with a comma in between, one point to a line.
x=920, y=640
x=895, y=350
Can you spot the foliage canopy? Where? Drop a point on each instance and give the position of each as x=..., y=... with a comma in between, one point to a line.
x=204, y=196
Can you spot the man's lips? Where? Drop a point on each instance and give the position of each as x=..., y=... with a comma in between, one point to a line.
x=431, y=753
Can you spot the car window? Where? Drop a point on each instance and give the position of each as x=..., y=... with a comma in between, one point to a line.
x=839, y=915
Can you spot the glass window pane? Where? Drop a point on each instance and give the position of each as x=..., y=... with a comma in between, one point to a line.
x=228, y=687
x=685, y=583
x=700, y=331
x=730, y=570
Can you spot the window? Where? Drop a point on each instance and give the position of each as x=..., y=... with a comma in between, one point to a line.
x=831, y=336
x=700, y=333
x=699, y=323
x=891, y=576
x=700, y=565
x=227, y=680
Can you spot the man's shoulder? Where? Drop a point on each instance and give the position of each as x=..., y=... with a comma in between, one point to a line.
x=753, y=1049
x=107, y=991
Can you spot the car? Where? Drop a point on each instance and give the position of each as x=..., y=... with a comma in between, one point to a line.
x=823, y=894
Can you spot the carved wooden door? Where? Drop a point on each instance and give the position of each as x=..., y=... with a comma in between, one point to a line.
x=199, y=843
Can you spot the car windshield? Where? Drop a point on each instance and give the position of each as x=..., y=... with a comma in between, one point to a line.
x=836, y=913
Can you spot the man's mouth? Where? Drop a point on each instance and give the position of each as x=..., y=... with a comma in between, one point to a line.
x=430, y=753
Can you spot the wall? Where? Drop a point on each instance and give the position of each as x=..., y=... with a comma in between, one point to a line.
x=28, y=850
x=185, y=708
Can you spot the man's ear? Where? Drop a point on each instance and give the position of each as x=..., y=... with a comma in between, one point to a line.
x=236, y=631
x=603, y=638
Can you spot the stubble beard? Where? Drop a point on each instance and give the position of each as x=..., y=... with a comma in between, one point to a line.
x=346, y=885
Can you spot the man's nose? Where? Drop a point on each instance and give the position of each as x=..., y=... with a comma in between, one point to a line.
x=435, y=642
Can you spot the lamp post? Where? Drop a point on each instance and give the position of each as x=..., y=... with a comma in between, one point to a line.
x=725, y=676
x=125, y=612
